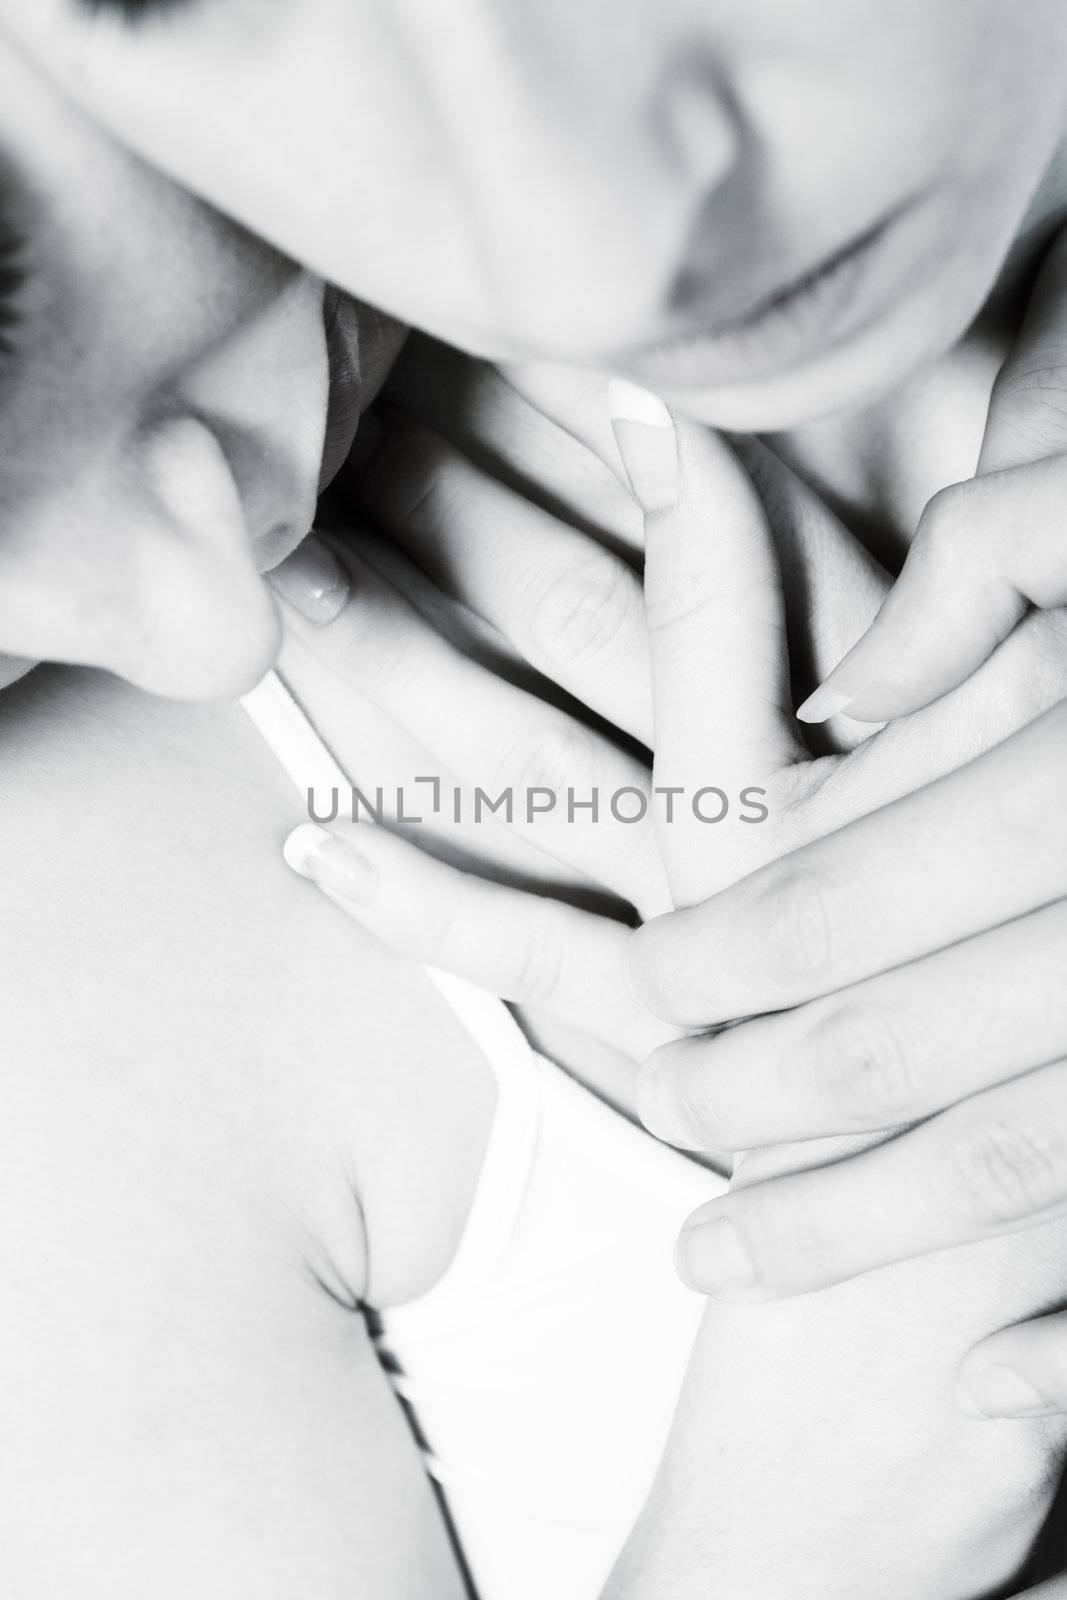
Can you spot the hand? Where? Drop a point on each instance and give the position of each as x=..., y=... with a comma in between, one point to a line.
x=845, y=1431
x=985, y=550
x=384, y=684
x=474, y=582
x=465, y=536
x=878, y=1032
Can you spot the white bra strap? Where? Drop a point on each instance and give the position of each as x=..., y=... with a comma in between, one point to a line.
x=314, y=772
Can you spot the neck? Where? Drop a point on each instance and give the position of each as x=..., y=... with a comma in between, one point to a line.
x=878, y=467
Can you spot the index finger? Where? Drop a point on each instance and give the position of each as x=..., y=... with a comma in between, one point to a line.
x=722, y=710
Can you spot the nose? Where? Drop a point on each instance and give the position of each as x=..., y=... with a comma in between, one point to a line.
x=226, y=488
x=139, y=563
x=263, y=394
x=139, y=546
x=198, y=621
x=588, y=246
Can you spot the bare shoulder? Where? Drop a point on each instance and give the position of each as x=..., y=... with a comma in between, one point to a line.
x=156, y=953
x=208, y=1100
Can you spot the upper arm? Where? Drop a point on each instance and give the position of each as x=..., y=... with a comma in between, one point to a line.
x=189, y=1400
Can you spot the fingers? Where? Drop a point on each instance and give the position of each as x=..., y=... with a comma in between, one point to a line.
x=551, y=779
x=1018, y=1372
x=887, y=1052
x=1025, y=677
x=572, y=608
x=985, y=550
x=722, y=705
x=542, y=427
x=527, y=948
x=993, y=1165
x=888, y=888
x=831, y=584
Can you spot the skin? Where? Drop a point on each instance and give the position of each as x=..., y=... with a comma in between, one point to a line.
x=727, y=152
x=783, y=387
x=219, y=1139
x=849, y=1467
x=147, y=481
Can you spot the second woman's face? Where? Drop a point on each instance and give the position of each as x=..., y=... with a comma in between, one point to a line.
x=764, y=209
x=165, y=400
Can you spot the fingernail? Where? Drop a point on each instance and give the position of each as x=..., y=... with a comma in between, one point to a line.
x=1000, y=1392
x=313, y=582
x=711, y=1257
x=645, y=434
x=825, y=703
x=329, y=862
x=861, y=672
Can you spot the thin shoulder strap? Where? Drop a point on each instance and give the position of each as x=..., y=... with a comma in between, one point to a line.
x=314, y=773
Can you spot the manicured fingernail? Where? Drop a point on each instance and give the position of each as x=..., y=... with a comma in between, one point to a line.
x=645, y=434
x=313, y=582
x=862, y=672
x=825, y=703
x=329, y=862
x=712, y=1258
x=1000, y=1392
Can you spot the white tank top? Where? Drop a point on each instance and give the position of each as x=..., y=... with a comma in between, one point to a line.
x=541, y=1372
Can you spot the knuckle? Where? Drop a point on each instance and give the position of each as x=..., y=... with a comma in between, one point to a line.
x=425, y=487
x=584, y=609
x=796, y=911
x=1008, y=1169
x=660, y=972
x=1036, y=393
x=861, y=1068
x=552, y=756
x=945, y=526
x=445, y=498
x=677, y=599
x=539, y=964
x=1032, y=666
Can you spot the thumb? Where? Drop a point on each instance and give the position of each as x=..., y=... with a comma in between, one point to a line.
x=985, y=550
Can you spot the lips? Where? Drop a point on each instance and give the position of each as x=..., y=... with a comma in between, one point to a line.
x=787, y=327
x=341, y=318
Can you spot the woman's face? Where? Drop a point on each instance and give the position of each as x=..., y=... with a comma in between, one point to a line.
x=764, y=209
x=164, y=392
